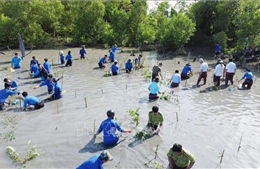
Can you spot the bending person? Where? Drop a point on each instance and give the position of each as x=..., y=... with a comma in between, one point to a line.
x=248, y=82
x=155, y=120
x=154, y=89
x=31, y=100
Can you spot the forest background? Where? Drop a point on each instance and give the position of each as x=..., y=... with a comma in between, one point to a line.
x=129, y=23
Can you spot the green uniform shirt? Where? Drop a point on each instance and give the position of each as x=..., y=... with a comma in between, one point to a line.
x=155, y=118
x=181, y=160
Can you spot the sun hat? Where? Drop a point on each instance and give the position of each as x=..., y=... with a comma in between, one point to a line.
x=105, y=155
x=221, y=61
x=115, y=61
x=201, y=60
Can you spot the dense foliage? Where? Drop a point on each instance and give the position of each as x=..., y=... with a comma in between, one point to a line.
x=129, y=23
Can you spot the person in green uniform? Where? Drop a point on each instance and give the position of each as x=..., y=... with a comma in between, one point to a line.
x=155, y=119
x=180, y=158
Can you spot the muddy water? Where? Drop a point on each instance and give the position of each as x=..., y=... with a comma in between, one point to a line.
x=209, y=121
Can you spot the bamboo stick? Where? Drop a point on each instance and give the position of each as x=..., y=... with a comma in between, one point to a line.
x=221, y=157
x=177, y=117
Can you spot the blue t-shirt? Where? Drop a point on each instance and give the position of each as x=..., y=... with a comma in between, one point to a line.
x=218, y=48
x=62, y=57
x=57, y=91
x=114, y=48
x=14, y=84
x=186, y=69
x=248, y=75
x=93, y=162
x=47, y=66
x=48, y=83
x=34, y=69
x=128, y=65
x=31, y=100
x=4, y=93
x=154, y=88
x=109, y=127
x=16, y=62
x=82, y=51
x=103, y=60
x=114, y=68
x=36, y=61
x=68, y=57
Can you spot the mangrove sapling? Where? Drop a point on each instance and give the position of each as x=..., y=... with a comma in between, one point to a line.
x=8, y=124
x=135, y=115
x=142, y=135
x=32, y=153
x=13, y=154
x=158, y=165
x=147, y=74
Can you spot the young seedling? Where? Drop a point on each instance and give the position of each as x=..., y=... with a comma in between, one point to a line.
x=135, y=115
x=142, y=135
x=32, y=153
x=13, y=154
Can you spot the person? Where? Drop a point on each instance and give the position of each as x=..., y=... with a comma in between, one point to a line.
x=176, y=79
x=248, y=82
x=109, y=127
x=138, y=61
x=49, y=83
x=96, y=161
x=217, y=50
x=203, y=72
x=218, y=73
x=155, y=119
x=62, y=57
x=33, y=59
x=16, y=61
x=157, y=71
x=42, y=72
x=154, y=89
x=102, y=62
x=13, y=83
x=82, y=52
x=230, y=71
x=47, y=65
x=57, y=89
x=31, y=100
x=186, y=72
x=180, y=158
x=114, y=68
x=4, y=93
x=69, y=59
x=34, y=72
x=112, y=55
x=128, y=66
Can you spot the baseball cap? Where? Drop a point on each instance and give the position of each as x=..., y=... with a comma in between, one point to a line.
x=105, y=155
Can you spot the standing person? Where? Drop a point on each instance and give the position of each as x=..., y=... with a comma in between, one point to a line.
x=57, y=89
x=16, y=61
x=42, y=72
x=47, y=65
x=217, y=50
x=203, y=72
x=62, y=57
x=13, y=83
x=230, y=71
x=69, y=59
x=31, y=100
x=154, y=89
x=157, y=71
x=155, y=119
x=176, y=79
x=82, y=52
x=248, y=76
x=34, y=72
x=186, y=72
x=49, y=83
x=96, y=161
x=113, y=50
x=180, y=158
x=102, y=62
x=114, y=68
x=4, y=93
x=109, y=127
x=218, y=73
x=33, y=60
x=128, y=66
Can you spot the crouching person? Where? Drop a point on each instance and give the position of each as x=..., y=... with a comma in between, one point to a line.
x=31, y=100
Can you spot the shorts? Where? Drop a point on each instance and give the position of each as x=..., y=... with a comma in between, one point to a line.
x=153, y=96
x=39, y=105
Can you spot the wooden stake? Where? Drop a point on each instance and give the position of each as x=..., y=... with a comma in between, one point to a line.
x=86, y=105
x=221, y=157
x=156, y=151
x=52, y=62
x=75, y=94
x=239, y=146
x=57, y=104
x=94, y=127
x=102, y=91
x=126, y=87
x=177, y=118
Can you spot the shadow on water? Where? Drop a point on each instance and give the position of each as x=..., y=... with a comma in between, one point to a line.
x=33, y=82
x=97, y=68
x=147, y=100
x=213, y=88
x=7, y=62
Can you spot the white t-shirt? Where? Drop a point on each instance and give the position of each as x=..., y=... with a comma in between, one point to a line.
x=176, y=78
x=231, y=67
x=219, y=69
x=204, y=67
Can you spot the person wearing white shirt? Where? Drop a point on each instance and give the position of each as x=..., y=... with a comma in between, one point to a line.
x=230, y=72
x=203, y=71
x=176, y=79
x=219, y=70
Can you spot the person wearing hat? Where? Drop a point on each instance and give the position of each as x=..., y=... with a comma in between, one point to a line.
x=230, y=71
x=4, y=93
x=49, y=83
x=128, y=66
x=82, y=52
x=176, y=79
x=180, y=158
x=157, y=71
x=203, y=72
x=155, y=119
x=109, y=127
x=31, y=100
x=102, y=62
x=96, y=161
x=16, y=61
x=62, y=57
x=248, y=82
x=154, y=89
x=47, y=65
x=34, y=72
x=218, y=73
x=114, y=68
x=186, y=72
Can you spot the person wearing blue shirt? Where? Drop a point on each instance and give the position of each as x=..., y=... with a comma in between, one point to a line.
x=82, y=52
x=248, y=82
x=112, y=56
x=96, y=161
x=217, y=50
x=34, y=72
x=114, y=68
x=31, y=100
x=57, y=89
x=186, y=72
x=128, y=66
x=33, y=60
x=62, y=57
x=4, y=93
x=47, y=65
x=176, y=79
x=69, y=59
x=102, y=62
x=49, y=83
x=154, y=89
x=16, y=61
x=139, y=62
x=109, y=127
x=14, y=85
